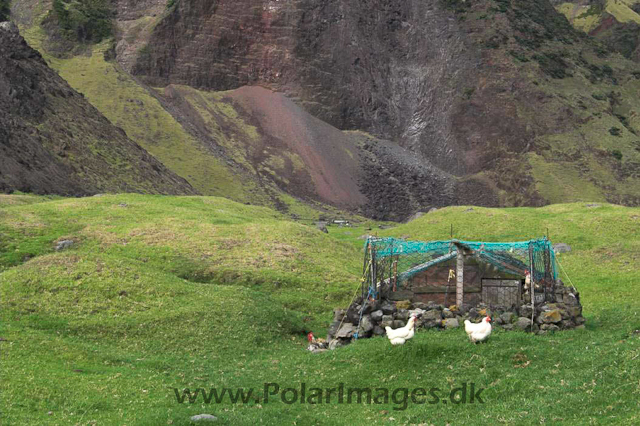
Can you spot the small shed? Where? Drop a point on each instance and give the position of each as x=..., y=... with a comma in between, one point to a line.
x=455, y=272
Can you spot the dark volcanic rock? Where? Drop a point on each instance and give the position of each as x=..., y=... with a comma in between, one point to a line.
x=52, y=141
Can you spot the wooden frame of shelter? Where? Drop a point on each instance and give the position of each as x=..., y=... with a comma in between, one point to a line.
x=493, y=268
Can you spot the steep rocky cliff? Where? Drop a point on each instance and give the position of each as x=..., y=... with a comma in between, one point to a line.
x=53, y=141
x=496, y=92
x=392, y=68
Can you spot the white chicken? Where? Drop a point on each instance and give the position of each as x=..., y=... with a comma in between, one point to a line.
x=478, y=332
x=401, y=335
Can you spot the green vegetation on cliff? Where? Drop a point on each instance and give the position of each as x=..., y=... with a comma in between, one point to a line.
x=84, y=20
x=5, y=10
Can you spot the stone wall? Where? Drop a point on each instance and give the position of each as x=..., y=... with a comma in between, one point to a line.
x=564, y=314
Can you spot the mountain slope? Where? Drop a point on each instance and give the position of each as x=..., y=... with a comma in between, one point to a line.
x=53, y=141
x=490, y=90
x=492, y=102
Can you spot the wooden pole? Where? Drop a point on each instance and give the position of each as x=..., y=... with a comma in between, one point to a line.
x=460, y=278
x=533, y=286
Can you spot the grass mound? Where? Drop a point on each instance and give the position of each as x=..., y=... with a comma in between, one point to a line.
x=121, y=302
x=202, y=239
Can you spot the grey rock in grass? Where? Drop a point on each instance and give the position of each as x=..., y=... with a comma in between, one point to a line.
x=561, y=248
x=63, y=245
x=204, y=418
x=473, y=314
x=553, y=316
x=322, y=226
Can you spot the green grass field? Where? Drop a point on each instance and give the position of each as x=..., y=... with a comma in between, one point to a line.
x=201, y=292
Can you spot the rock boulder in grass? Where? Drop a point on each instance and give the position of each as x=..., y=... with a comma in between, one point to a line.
x=432, y=315
x=63, y=245
x=567, y=324
x=322, y=226
x=333, y=329
x=561, y=248
x=386, y=318
x=203, y=418
x=415, y=216
x=353, y=314
x=447, y=313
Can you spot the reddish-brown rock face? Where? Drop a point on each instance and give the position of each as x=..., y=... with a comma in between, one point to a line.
x=392, y=71
x=446, y=80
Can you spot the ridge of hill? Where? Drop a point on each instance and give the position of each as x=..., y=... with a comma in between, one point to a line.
x=52, y=141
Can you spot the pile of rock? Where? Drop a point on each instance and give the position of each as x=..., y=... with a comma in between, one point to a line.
x=565, y=313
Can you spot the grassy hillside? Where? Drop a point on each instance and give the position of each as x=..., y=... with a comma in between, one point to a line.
x=586, y=16
x=188, y=292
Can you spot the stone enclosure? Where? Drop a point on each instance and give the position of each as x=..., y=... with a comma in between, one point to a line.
x=565, y=313
x=447, y=282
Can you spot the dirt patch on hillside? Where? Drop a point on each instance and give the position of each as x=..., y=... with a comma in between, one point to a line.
x=330, y=157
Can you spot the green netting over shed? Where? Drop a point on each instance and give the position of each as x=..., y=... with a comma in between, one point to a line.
x=393, y=261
